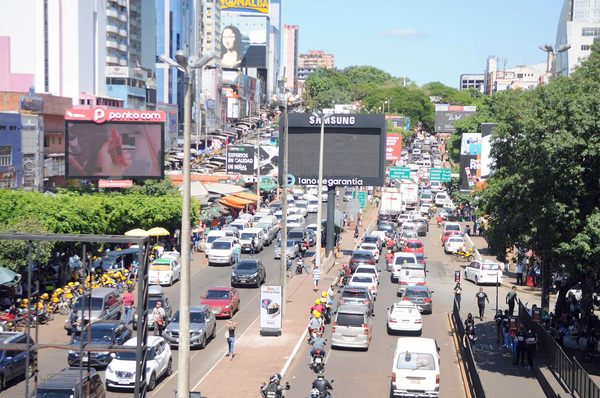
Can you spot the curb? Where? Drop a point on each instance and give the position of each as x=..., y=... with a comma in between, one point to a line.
x=294, y=353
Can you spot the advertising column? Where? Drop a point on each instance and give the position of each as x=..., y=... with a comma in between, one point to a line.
x=270, y=310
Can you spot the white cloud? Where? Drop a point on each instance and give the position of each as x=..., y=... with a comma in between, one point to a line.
x=405, y=33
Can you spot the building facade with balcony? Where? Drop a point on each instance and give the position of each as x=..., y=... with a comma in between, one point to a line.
x=316, y=59
x=523, y=77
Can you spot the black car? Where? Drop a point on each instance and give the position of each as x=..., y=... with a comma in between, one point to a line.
x=374, y=240
x=101, y=333
x=385, y=217
x=13, y=362
x=360, y=257
x=419, y=296
x=249, y=272
x=387, y=227
x=67, y=383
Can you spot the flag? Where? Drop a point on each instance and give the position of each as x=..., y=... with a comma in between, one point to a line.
x=138, y=63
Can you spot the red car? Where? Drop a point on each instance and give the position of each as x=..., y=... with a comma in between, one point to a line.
x=448, y=234
x=224, y=301
x=413, y=246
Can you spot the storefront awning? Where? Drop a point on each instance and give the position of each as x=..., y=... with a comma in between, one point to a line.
x=267, y=187
x=247, y=196
x=233, y=201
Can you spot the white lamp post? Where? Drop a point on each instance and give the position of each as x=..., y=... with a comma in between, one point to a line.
x=187, y=65
x=552, y=54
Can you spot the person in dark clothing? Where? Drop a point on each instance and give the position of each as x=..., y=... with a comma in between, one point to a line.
x=457, y=295
x=520, y=347
x=252, y=247
x=322, y=385
x=469, y=321
x=74, y=321
x=511, y=300
x=480, y=298
x=470, y=336
x=498, y=318
x=530, y=345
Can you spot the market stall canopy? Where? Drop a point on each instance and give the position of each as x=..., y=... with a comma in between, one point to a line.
x=234, y=201
x=247, y=196
x=223, y=189
x=8, y=277
x=137, y=232
x=267, y=187
x=158, y=231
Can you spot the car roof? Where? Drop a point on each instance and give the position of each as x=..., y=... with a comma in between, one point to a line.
x=416, y=343
x=219, y=288
x=296, y=230
x=161, y=260
x=199, y=308
x=102, y=291
x=352, y=309
x=349, y=288
x=414, y=241
x=417, y=288
x=249, y=260
x=403, y=303
x=65, y=379
x=105, y=324
x=152, y=341
x=155, y=290
x=7, y=337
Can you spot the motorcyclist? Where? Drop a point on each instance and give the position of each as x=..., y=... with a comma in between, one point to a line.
x=318, y=307
x=439, y=219
x=327, y=301
x=318, y=343
x=300, y=264
x=389, y=257
x=315, y=324
x=347, y=270
x=322, y=385
x=274, y=389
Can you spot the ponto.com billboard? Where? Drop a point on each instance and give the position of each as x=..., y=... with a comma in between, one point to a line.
x=117, y=144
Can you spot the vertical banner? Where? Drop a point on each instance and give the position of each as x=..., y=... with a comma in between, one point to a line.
x=393, y=147
x=270, y=310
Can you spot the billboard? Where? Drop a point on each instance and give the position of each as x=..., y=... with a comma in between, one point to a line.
x=393, y=147
x=247, y=6
x=114, y=143
x=470, y=144
x=470, y=172
x=445, y=115
x=243, y=41
x=240, y=160
x=354, y=149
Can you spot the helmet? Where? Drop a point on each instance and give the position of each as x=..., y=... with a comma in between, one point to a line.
x=317, y=301
x=314, y=393
x=315, y=312
x=321, y=375
x=55, y=299
x=324, y=294
x=69, y=296
x=76, y=283
x=125, y=271
x=44, y=296
x=118, y=274
x=58, y=291
x=274, y=379
x=318, y=314
x=70, y=284
x=389, y=252
x=25, y=301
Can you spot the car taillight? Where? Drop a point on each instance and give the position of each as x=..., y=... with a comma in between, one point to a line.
x=341, y=301
x=417, y=322
x=394, y=377
x=393, y=321
x=437, y=379
x=366, y=301
x=366, y=329
x=333, y=327
x=427, y=300
x=371, y=262
x=372, y=287
x=402, y=283
x=352, y=261
x=420, y=283
x=405, y=299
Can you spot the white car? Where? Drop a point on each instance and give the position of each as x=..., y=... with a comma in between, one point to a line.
x=416, y=367
x=425, y=209
x=303, y=206
x=487, y=271
x=404, y=316
x=370, y=247
x=313, y=204
x=164, y=271
x=440, y=198
x=454, y=243
x=222, y=251
x=295, y=222
x=121, y=371
x=365, y=280
x=170, y=254
x=414, y=214
x=409, y=226
x=380, y=234
x=368, y=269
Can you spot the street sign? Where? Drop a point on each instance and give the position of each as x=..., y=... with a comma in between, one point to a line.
x=420, y=173
x=362, y=199
x=400, y=173
x=439, y=175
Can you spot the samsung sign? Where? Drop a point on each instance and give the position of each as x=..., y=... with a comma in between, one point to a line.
x=354, y=149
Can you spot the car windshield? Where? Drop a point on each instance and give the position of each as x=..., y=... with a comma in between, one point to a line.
x=313, y=202
x=96, y=303
x=248, y=235
x=211, y=239
x=126, y=356
x=455, y=240
x=362, y=279
x=295, y=235
x=195, y=317
x=490, y=266
x=409, y=234
x=99, y=335
x=416, y=294
x=354, y=294
x=246, y=265
x=414, y=245
x=412, y=360
x=426, y=196
x=371, y=239
x=301, y=205
x=364, y=270
x=290, y=243
x=368, y=247
x=355, y=320
x=401, y=260
x=361, y=256
x=217, y=295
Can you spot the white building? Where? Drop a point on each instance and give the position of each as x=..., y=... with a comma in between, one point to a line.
x=578, y=25
x=521, y=76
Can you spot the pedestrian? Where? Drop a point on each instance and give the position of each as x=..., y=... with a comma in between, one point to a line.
x=128, y=299
x=520, y=357
x=498, y=318
x=474, y=228
x=237, y=250
x=511, y=299
x=74, y=321
x=530, y=346
x=158, y=318
x=457, y=295
x=508, y=338
x=355, y=234
x=230, y=336
x=469, y=321
x=316, y=276
x=467, y=230
x=480, y=299
x=288, y=265
x=519, y=273
x=252, y=247
x=469, y=336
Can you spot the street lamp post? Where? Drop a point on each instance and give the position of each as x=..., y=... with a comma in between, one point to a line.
x=388, y=100
x=286, y=99
x=552, y=55
x=187, y=65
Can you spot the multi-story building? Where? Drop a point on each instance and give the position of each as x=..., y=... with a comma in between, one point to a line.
x=578, y=25
x=290, y=57
x=316, y=59
x=11, y=161
x=476, y=81
x=523, y=77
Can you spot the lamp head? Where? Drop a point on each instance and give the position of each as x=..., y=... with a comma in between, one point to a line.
x=549, y=47
x=181, y=58
x=563, y=47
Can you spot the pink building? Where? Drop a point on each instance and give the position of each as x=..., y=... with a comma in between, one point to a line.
x=290, y=57
x=9, y=81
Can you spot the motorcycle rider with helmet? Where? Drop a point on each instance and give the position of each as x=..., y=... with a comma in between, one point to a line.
x=274, y=389
x=322, y=385
x=318, y=343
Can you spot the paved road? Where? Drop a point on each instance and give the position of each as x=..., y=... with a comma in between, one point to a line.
x=370, y=371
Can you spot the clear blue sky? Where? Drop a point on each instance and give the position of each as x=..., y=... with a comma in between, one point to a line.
x=429, y=40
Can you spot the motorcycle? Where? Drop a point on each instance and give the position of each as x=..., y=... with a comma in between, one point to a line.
x=274, y=388
x=318, y=361
x=591, y=348
x=299, y=265
x=463, y=256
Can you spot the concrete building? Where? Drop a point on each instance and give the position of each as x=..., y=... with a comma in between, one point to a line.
x=522, y=77
x=290, y=57
x=578, y=25
x=11, y=157
x=316, y=59
x=476, y=81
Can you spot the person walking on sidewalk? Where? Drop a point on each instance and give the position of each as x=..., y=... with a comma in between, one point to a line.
x=511, y=300
x=499, y=332
x=237, y=251
x=480, y=299
x=520, y=273
x=356, y=234
x=530, y=345
x=457, y=295
x=230, y=335
x=316, y=276
x=252, y=247
x=520, y=357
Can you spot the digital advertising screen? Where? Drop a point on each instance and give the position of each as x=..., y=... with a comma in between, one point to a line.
x=354, y=149
x=446, y=115
x=114, y=144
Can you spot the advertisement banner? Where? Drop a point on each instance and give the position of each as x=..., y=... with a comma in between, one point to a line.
x=240, y=160
x=393, y=147
x=446, y=115
x=250, y=6
x=470, y=170
x=270, y=307
x=470, y=144
x=243, y=41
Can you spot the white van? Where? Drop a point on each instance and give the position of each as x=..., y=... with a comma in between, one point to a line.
x=214, y=235
x=440, y=198
x=450, y=226
x=416, y=368
x=246, y=239
x=272, y=225
x=240, y=223
x=398, y=260
x=313, y=204
x=352, y=326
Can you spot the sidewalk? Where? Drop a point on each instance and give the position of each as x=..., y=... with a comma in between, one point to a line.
x=258, y=357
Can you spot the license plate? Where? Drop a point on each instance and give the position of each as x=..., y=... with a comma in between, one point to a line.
x=405, y=321
x=123, y=381
x=318, y=360
x=242, y=281
x=415, y=382
x=85, y=359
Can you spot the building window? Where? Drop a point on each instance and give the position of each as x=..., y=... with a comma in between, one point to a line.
x=585, y=47
x=46, y=142
x=12, y=128
x=590, y=32
x=59, y=140
x=2, y=128
x=5, y=156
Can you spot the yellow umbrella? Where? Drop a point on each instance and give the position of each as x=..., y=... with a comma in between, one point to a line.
x=158, y=231
x=137, y=232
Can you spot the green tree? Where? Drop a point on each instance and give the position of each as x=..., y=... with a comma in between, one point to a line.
x=14, y=253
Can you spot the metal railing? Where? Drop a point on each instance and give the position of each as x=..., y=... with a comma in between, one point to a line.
x=575, y=378
x=474, y=380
